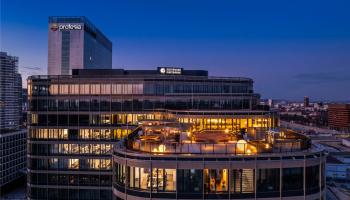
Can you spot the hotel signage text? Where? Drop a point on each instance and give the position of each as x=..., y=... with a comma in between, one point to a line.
x=170, y=70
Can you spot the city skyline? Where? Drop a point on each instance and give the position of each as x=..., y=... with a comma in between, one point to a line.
x=290, y=50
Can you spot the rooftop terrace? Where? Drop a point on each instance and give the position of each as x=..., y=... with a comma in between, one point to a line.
x=167, y=137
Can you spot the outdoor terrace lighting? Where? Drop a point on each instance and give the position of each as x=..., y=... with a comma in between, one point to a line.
x=161, y=148
x=249, y=151
x=241, y=145
x=189, y=133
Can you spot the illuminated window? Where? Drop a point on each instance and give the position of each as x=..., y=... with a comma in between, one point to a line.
x=105, y=119
x=116, y=89
x=74, y=89
x=34, y=118
x=215, y=180
x=84, y=133
x=29, y=88
x=105, y=164
x=85, y=148
x=63, y=133
x=73, y=163
x=94, y=163
x=105, y=89
x=145, y=178
x=53, y=89
x=84, y=88
x=242, y=180
x=120, y=174
x=96, y=148
x=95, y=88
x=74, y=149
x=64, y=88
x=106, y=134
x=95, y=134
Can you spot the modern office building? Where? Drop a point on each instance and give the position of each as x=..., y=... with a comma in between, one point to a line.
x=75, y=43
x=10, y=92
x=339, y=116
x=74, y=120
x=12, y=137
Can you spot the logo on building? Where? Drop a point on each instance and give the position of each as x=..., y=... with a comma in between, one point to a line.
x=54, y=27
x=162, y=70
x=170, y=70
x=61, y=27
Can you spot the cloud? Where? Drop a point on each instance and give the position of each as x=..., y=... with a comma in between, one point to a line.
x=323, y=77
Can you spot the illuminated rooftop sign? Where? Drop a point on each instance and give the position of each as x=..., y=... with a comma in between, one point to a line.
x=170, y=70
x=60, y=27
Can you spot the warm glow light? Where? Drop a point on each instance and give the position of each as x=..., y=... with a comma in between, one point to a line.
x=189, y=134
x=226, y=130
x=267, y=146
x=155, y=150
x=161, y=148
x=249, y=151
x=241, y=145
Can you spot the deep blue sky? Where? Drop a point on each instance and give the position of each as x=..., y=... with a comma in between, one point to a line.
x=290, y=48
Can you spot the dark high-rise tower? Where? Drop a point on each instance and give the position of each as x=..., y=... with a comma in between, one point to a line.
x=306, y=101
x=12, y=138
x=10, y=92
x=75, y=43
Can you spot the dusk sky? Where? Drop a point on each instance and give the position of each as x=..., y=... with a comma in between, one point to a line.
x=291, y=49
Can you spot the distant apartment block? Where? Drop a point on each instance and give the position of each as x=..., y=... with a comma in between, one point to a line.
x=339, y=116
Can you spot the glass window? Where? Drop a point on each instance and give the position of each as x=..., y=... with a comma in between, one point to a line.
x=74, y=89
x=64, y=88
x=292, y=181
x=73, y=163
x=190, y=180
x=53, y=89
x=312, y=179
x=242, y=181
x=84, y=89
x=116, y=89
x=268, y=181
x=120, y=174
x=145, y=178
x=106, y=89
x=215, y=180
x=170, y=179
x=95, y=89
x=105, y=164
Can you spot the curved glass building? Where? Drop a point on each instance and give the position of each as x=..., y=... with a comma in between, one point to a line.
x=170, y=160
x=76, y=120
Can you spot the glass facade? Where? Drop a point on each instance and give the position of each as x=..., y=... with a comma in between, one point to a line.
x=82, y=46
x=74, y=122
x=217, y=183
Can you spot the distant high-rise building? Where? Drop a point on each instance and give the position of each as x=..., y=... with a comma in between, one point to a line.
x=270, y=102
x=306, y=101
x=75, y=43
x=339, y=116
x=12, y=138
x=10, y=92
